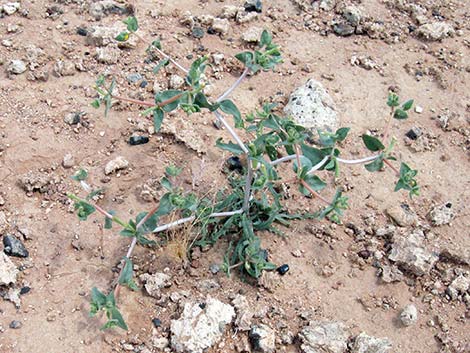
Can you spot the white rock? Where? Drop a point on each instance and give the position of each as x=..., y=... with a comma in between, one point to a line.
x=8, y=270
x=217, y=58
x=160, y=342
x=64, y=68
x=116, y=164
x=68, y=161
x=435, y=31
x=16, y=67
x=352, y=14
x=244, y=17
x=442, y=214
x=311, y=106
x=154, y=283
x=263, y=338
x=221, y=25
x=230, y=11
x=459, y=285
x=419, y=109
x=244, y=313
x=252, y=35
x=11, y=7
x=176, y=82
x=327, y=337
x=367, y=344
x=200, y=326
x=108, y=55
x=410, y=254
x=409, y=315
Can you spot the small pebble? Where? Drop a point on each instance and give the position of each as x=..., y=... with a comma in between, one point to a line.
x=283, y=269
x=138, y=140
x=15, y=324
x=419, y=109
x=414, y=133
x=234, y=164
x=82, y=31
x=157, y=322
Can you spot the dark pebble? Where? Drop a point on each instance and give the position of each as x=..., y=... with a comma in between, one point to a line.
x=343, y=29
x=197, y=32
x=234, y=164
x=144, y=84
x=414, y=133
x=210, y=30
x=365, y=254
x=14, y=247
x=283, y=269
x=82, y=31
x=253, y=6
x=138, y=140
x=202, y=306
x=25, y=290
x=15, y=324
x=157, y=322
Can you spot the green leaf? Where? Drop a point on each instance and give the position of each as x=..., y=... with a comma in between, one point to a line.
x=173, y=171
x=161, y=64
x=305, y=162
x=228, y=107
x=393, y=100
x=245, y=57
x=314, y=154
x=98, y=301
x=231, y=147
x=341, y=133
x=96, y=103
x=407, y=180
x=123, y=36
x=108, y=222
x=127, y=274
x=166, y=183
x=266, y=39
x=80, y=175
x=157, y=119
x=84, y=209
x=202, y=102
x=131, y=22
x=375, y=165
x=117, y=317
x=161, y=97
x=407, y=105
x=157, y=44
x=372, y=143
x=314, y=182
x=400, y=114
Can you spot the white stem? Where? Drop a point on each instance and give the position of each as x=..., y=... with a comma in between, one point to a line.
x=231, y=131
x=131, y=247
x=85, y=186
x=358, y=161
x=192, y=218
x=283, y=159
x=318, y=165
x=234, y=86
x=172, y=61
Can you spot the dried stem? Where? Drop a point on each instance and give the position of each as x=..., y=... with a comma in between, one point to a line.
x=313, y=192
x=389, y=124
x=387, y=162
x=136, y=101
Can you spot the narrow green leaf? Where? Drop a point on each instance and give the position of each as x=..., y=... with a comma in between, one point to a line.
x=108, y=222
x=80, y=175
x=161, y=64
x=400, y=114
x=157, y=119
x=96, y=103
x=266, y=39
x=314, y=154
x=375, y=165
x=227, y=106
x=407, y=105
x=231, y=147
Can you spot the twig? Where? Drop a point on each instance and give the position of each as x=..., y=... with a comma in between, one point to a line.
x=313, y=192
x=231, y=131
x=397, y=172
x=358, y=161
x=234, y=86
x=136, y=101
x=162, y=53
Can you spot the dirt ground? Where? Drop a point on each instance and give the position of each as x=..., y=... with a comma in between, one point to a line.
x=328, y=281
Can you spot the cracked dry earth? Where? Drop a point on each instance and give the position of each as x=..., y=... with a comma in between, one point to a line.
x=394, y=277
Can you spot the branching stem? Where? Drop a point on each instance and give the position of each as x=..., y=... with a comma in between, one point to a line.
x=229, y=91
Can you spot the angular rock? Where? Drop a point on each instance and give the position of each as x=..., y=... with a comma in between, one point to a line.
x=116, y=164
x=442, y=214
x=176, y=82
x=100, y=9
x=410, y=254
x=200, y=326
x=73, y=118
x=134, y=77
x=108, y=55
x=68, y=161
x=32, y=181
x=64, y=68
x=244, y=313
x=352, y=14
x=402, y=215
x=409, y=315
x=262, y=338
x=8, y=270
x=435, y=31
x=16, y=67
x=312, y=107
x=343, y=29
x=367, y=344
x=253, y=5
x=460, y=285
x=11, y=7
x=230, y=11
x=14, y=247
x=154, y=283
x=221, y=25
x=100, y=36
x=252, y=35
x=324, y=337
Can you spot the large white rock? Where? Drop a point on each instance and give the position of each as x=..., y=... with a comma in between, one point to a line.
x=200, y=326
x=435, y=31
x=368, y=344
x=324, y=337
x=116, y=164
x=312, y=107
x=8, y=270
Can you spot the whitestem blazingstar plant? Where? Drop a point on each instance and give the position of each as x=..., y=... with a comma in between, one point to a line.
x=254, y=200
